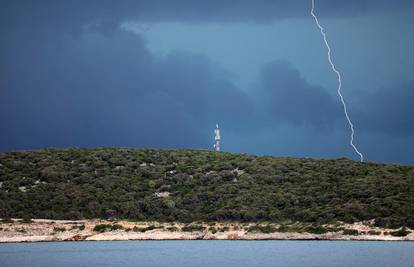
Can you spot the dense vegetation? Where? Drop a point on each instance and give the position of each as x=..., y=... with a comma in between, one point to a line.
x=190, y=185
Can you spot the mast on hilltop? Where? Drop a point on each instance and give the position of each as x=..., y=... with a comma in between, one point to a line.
x=217, y=138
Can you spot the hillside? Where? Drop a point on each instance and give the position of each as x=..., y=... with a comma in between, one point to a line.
x=191, y=185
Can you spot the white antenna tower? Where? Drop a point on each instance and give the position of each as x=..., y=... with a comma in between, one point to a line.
x=217, y=138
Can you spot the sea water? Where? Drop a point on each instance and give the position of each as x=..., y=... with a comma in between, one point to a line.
x=209, y=253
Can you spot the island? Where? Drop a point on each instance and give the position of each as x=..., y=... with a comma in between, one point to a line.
x=151, y=194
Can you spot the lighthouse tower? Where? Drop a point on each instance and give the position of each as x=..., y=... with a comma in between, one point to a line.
x=217, y=138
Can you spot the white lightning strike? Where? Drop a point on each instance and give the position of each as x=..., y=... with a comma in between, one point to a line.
x=339, y=82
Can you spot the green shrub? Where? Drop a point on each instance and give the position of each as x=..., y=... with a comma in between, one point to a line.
x=102, y=228
x=224, y=229
x=213, y=230
x=402, y=232
x=138, y=229
x=372, y=232
x=107, y=227
x=193, y=228
x=115, y=227
x=79, y=227
x=316, y=230
x=172, y=229
x=59, y=229
x=152, y=184
x=350, y=232
x=144, y=229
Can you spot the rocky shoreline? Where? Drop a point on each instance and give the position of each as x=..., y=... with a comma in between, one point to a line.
x=101, y=230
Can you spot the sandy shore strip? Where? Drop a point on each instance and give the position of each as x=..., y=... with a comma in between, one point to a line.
x=40, y=230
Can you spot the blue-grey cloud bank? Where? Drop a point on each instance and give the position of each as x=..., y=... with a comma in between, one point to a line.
x=162, y=74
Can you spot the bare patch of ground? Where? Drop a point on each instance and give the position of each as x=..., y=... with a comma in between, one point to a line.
x=65, y=230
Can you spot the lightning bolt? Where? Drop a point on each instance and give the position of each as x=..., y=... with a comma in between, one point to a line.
x=338, y=74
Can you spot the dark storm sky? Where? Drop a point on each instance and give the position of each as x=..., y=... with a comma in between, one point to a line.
x=163, y=73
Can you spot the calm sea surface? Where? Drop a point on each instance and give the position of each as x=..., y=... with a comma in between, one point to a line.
x=209, y=253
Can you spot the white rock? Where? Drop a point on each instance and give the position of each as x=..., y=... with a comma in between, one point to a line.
x=239, y=172
x=162, y=194
x=22, y=188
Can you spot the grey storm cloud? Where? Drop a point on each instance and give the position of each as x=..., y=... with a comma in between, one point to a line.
x=291, y=99
x=95, y=89
x=388, y=110
x=70, y=76
x=75, y=15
